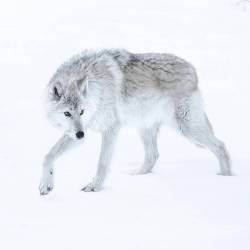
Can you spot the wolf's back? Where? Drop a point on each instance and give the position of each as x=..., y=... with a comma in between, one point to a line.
x=165, y=72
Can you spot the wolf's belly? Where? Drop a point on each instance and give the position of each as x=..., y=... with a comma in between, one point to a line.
x=144, y=113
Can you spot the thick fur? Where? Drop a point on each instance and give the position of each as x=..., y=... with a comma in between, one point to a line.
x=116, y=88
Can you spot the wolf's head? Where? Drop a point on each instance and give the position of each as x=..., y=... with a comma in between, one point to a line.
x=69, y=107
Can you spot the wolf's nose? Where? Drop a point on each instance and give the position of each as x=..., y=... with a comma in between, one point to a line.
x=79, y=134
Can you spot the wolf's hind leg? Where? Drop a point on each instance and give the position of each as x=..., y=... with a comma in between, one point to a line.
x=193, y=123
x=149, y=140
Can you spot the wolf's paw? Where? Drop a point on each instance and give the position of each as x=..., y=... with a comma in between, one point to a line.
x=140, y=171
x=225, y=173
x=91, y=187
x=46, y=186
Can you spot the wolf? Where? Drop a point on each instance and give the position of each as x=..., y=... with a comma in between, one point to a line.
x=108, y=89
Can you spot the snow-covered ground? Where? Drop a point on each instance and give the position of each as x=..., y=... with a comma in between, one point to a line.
x=183, y=204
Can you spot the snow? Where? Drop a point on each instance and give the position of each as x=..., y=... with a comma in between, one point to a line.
x=183, y=204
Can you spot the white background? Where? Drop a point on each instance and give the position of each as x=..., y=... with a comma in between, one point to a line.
x=183, y=204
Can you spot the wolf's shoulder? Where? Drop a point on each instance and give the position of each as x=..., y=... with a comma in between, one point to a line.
x=121, y=56
x=91, y=58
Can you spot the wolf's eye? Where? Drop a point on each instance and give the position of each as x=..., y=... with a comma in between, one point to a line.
x=82, y=112
x=67, y=114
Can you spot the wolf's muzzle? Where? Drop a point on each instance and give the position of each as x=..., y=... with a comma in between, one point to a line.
x=80, y=134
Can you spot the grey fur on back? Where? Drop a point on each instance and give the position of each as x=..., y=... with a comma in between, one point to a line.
x=167, y=72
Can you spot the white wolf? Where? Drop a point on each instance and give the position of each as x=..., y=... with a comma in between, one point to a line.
x=108, y=89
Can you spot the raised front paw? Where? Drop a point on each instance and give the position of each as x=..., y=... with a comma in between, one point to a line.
x=46, y=186
x=91, y=187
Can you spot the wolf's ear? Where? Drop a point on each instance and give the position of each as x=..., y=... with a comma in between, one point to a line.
x=82, y=85
x=56, y=91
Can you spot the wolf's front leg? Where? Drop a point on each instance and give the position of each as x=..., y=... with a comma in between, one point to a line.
x=47, y=180
x=108, y=141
